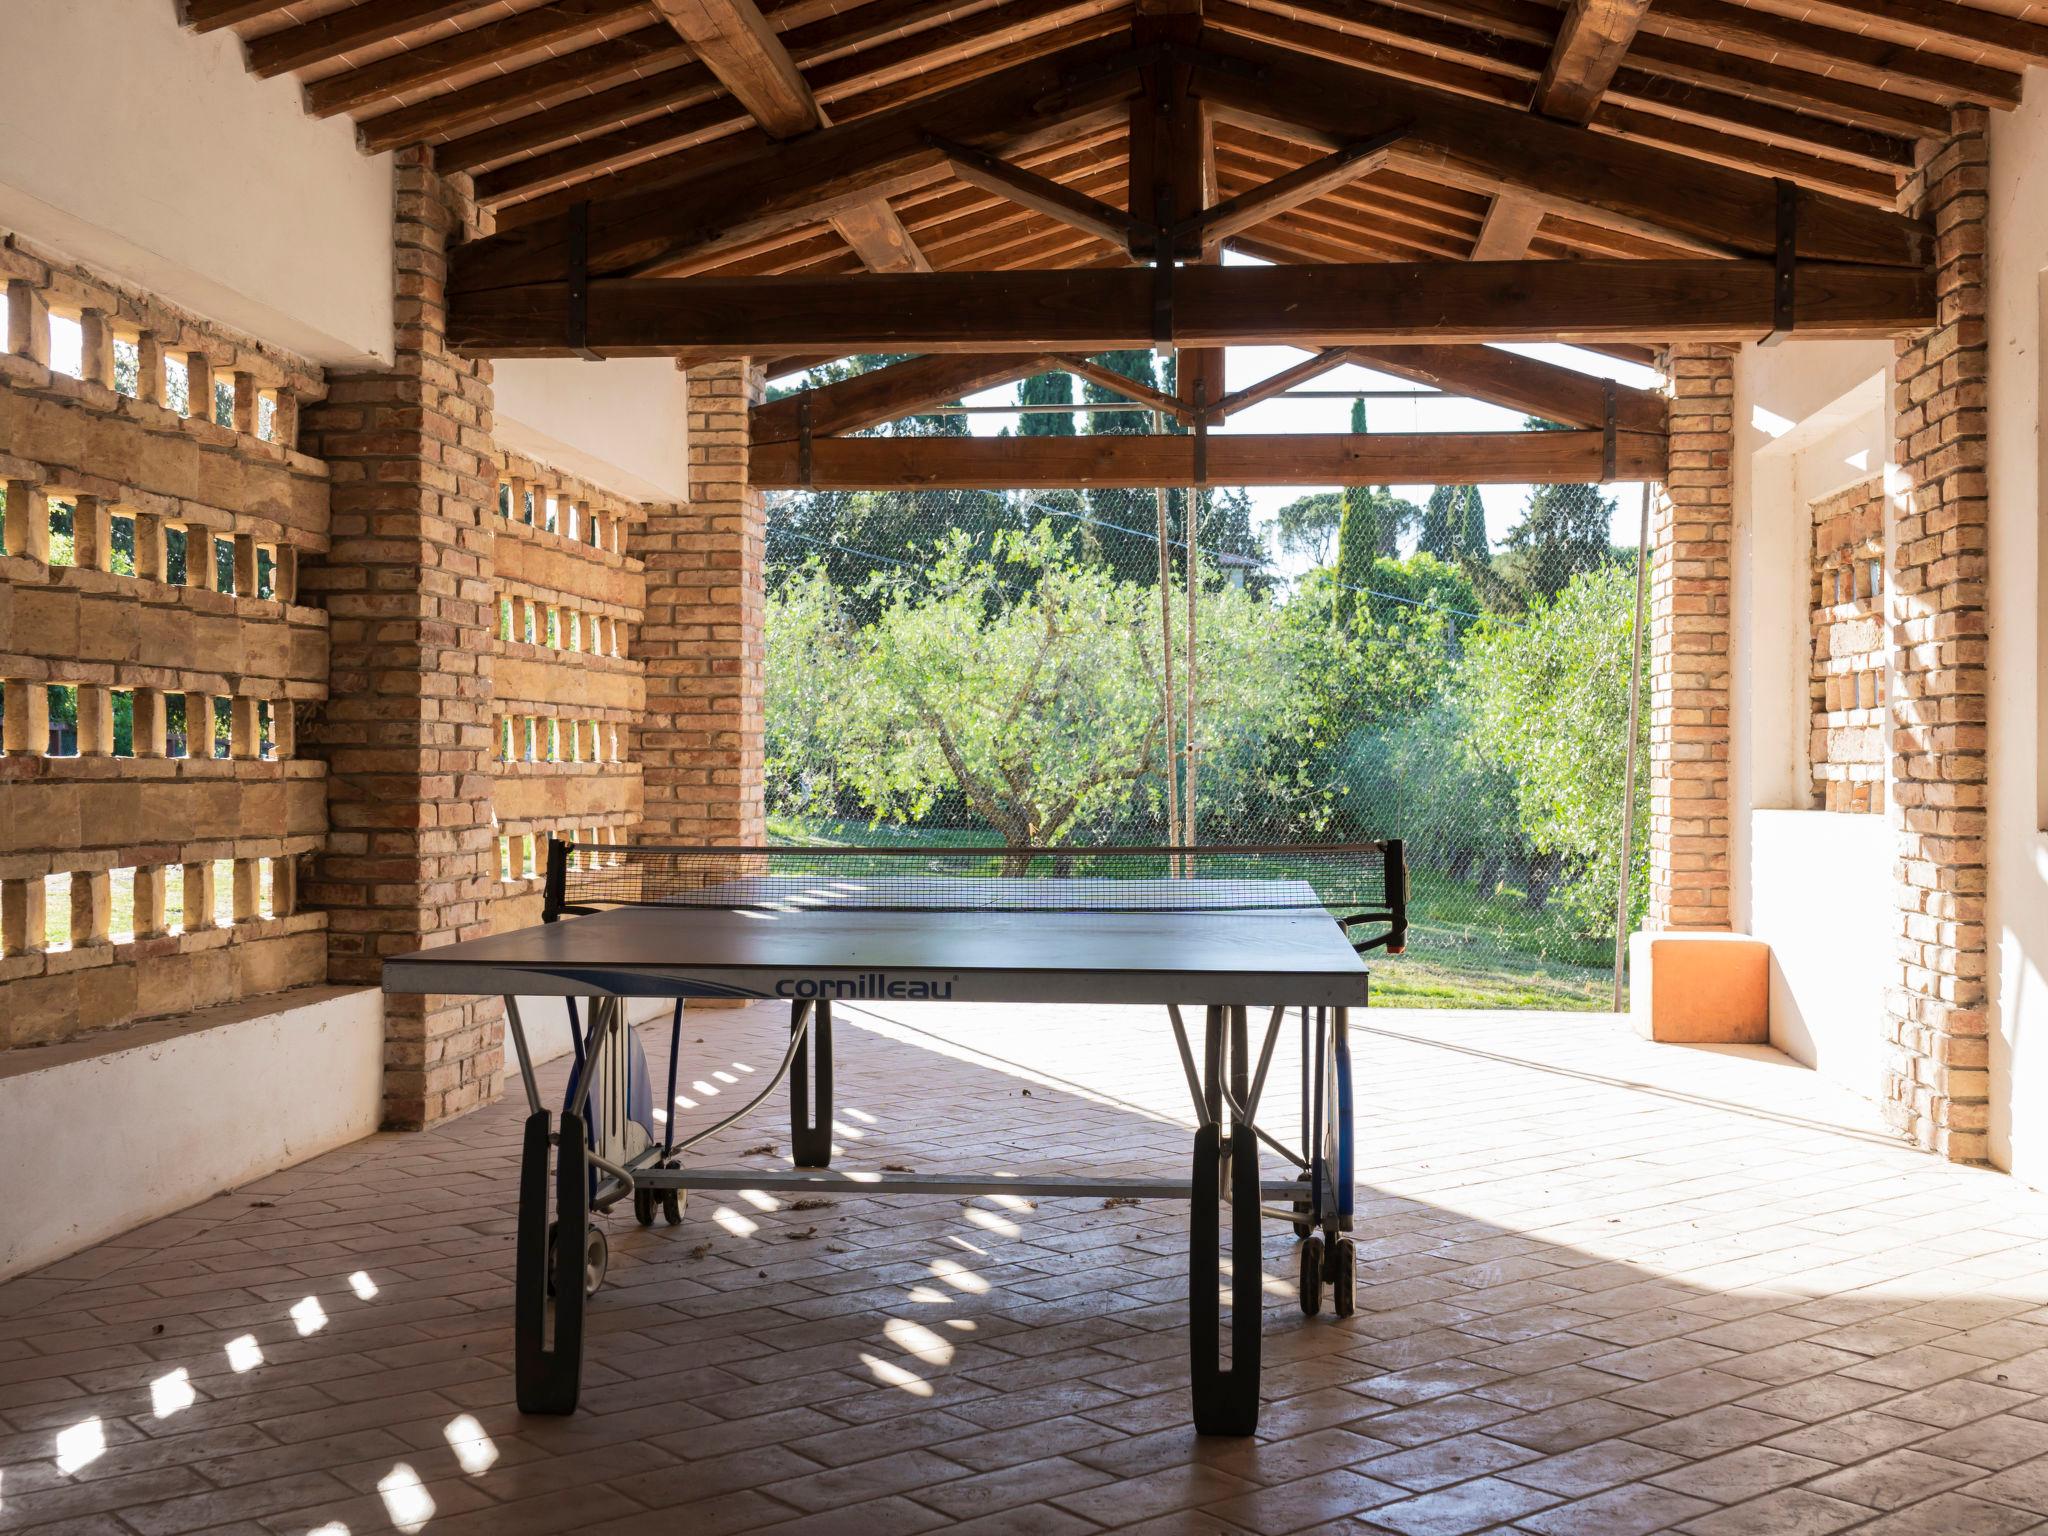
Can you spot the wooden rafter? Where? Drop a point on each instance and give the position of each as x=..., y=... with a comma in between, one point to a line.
x=580, y=139
x=1518, y=383
x=1096, y=311
x=1130, y=389
x=733, y=40
x=1553, y=164
x=813, y=177
x=1039, y=193
x=442, y=60
x=1859, y=56
x=1143, y=461
x=884, y=394
x=1279, y=383
x=340, y=32
x=1293, y=188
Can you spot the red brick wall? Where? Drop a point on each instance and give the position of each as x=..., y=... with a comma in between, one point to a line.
x=1938, y=1088
x=407, y=731
x=1688, y=658
x=702, y=643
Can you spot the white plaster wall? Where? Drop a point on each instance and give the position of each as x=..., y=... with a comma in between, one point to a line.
x=1811, y=419
x=2017, y=260
x=99, y=1136
x=621, y=423
x=153, y=154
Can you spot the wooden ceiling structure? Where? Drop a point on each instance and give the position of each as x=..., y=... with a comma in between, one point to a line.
x=989, y=185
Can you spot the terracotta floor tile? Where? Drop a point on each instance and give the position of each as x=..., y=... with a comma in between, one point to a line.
x=1475, y=1506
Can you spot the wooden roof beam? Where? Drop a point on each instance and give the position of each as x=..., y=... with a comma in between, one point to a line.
x=1591, y=43
x=1097, y=311
x=1590, y=46
x=1143, y=461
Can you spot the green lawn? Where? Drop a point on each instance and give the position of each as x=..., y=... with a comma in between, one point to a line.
x=1465, y=949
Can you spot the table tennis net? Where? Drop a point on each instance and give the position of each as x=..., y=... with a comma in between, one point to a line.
x=1362, y=885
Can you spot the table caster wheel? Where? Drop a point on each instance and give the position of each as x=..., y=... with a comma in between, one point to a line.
x=673, y=1203
x=597, y=1258
x=643, y=1205
x=1344, y=1276
x=1304, y=1209
x=1312, y=1274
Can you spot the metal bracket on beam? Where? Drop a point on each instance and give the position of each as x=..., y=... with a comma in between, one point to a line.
x=803, y=439
x=1162, y=271
x=579, y=282
x=1785, y=279
x=1201, y=432
x=1607, y=420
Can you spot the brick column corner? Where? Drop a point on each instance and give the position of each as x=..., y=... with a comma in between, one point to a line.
x=1938, y=1081
x=1690, y=574
x=406, y=732
x=702, y=741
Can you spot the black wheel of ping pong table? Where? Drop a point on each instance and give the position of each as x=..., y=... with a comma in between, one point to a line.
x=1226, y=1397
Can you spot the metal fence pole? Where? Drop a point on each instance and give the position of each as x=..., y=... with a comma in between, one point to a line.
x=1166, y=653
x=1628, y=791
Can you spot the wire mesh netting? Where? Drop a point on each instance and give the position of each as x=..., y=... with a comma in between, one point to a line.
x=969, y=669
x=1357, y=883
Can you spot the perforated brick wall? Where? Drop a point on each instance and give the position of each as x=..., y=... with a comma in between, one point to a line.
x=154, y=657
x=1846, y=677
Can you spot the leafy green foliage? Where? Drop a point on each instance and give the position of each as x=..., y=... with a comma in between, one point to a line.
x=1545, y=703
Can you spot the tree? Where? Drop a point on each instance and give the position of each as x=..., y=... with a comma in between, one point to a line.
x=1055, y=388
x=1564, y=531
x=1029, y=699
x=1439, y=530
x=1307, y=527
x=1473, y=543
x=1547, y=698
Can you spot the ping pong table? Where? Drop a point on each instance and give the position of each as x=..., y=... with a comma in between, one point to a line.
x=1279, y=929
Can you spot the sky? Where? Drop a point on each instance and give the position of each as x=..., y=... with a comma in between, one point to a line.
x=1427, y=413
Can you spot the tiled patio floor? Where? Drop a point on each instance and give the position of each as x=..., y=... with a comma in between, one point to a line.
x=1606, y=1287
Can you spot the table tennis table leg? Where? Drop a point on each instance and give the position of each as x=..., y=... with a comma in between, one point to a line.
x=1226, y=1400
x=549, y=1379
x=810, y=1086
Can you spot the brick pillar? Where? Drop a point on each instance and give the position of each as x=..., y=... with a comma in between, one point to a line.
x=1689, y=624
x=702, y=743
x=406, y=731
x=1937, y=1079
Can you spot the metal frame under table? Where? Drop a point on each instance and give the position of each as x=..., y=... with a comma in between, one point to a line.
x=606, y=1147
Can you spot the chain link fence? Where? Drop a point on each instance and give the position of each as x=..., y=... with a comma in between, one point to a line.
x=969, y=667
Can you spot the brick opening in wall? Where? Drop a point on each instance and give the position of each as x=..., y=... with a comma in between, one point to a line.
x=1847, y=679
